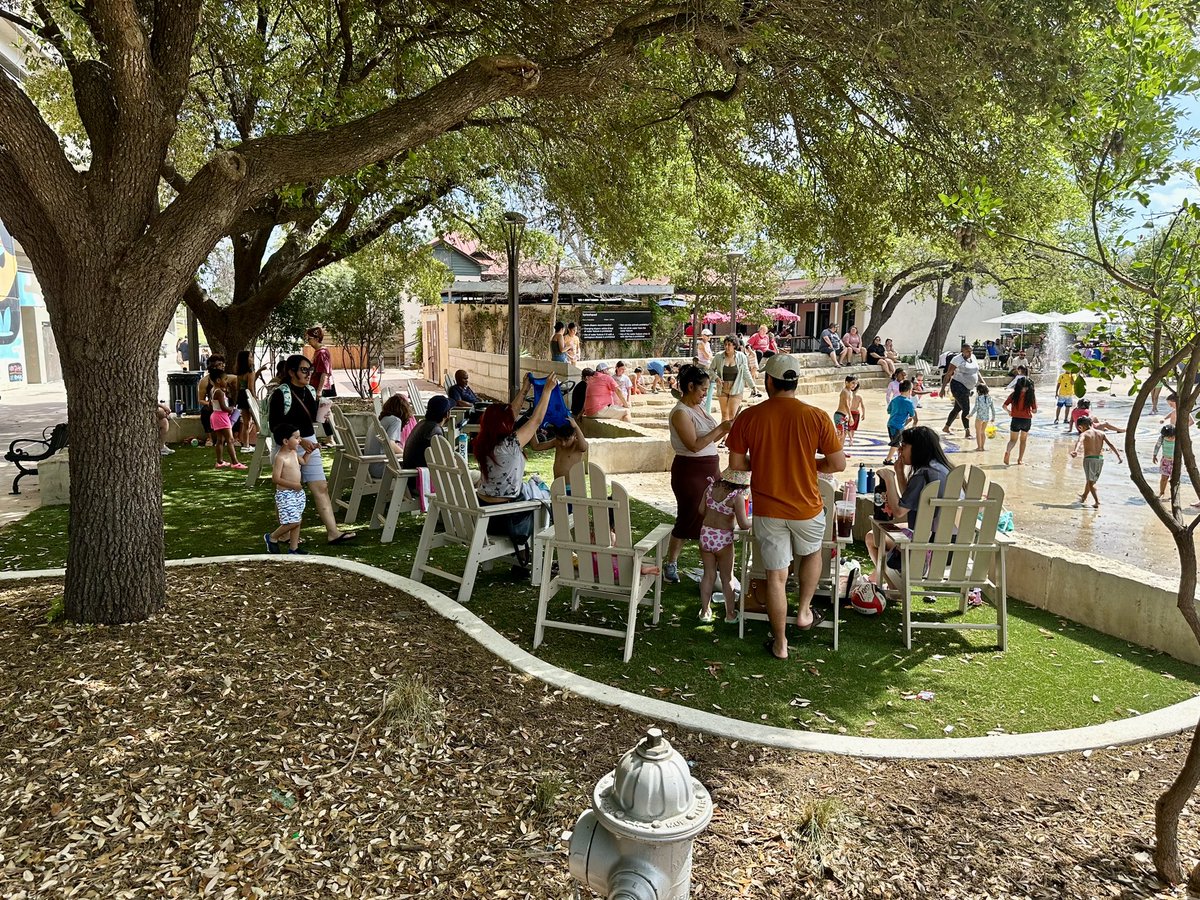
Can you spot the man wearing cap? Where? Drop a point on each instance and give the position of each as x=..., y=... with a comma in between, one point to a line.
x=777, y=441
x=604, y=398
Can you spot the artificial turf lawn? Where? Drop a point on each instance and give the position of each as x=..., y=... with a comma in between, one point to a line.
x=1055, y=674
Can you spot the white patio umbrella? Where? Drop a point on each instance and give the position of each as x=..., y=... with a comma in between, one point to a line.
x=1022, y=318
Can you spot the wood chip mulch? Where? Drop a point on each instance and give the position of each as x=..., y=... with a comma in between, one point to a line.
x=208, y=753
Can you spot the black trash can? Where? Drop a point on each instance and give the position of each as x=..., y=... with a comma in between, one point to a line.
x=182, y=389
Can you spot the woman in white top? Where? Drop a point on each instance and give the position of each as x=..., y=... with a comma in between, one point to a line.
x=694, y=436
x=962, y=374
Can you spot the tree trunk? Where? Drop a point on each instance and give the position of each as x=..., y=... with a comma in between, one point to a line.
x=948, y=305
x=115, y=552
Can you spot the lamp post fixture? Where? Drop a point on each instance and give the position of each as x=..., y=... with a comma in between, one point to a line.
x=514, y=231
x=735, y=260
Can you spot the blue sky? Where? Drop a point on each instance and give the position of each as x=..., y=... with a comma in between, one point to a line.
x=1168, y=197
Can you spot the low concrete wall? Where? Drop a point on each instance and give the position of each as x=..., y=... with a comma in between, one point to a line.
x=489, y=371
x=54, y=479
x=619, y=448
x=1122, y=601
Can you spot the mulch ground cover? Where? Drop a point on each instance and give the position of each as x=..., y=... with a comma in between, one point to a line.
x=286, y=732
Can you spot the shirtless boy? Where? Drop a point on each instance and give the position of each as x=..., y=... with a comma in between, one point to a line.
x=289, y=491
x=568, y=444
x=1093, y=441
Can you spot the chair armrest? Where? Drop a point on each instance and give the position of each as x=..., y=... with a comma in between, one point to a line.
x=498, y=509
x=1004, y=539
x=21, y=452
x=652, y=539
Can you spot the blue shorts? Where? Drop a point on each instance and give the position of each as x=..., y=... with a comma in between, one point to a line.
x=290, y=505
x=894, y=436
x=1066, y=401
x=655, y=367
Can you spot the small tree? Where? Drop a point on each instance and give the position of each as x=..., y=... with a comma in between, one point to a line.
x=1122, y=134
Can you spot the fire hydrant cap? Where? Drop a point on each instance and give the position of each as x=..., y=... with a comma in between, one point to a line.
x=651, y=795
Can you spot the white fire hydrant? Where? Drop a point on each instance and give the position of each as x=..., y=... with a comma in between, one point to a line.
x=635, y=843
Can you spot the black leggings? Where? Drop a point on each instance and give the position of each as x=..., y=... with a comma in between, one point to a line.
x=962, y=404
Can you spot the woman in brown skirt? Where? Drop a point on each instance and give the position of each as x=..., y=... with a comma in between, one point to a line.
x=694, y=436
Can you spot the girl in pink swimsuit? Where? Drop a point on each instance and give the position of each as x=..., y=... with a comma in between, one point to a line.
x=723, y=504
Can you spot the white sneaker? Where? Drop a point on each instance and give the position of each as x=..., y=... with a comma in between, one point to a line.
x=164, y=450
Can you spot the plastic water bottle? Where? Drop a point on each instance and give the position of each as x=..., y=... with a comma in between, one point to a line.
x=460, y=444
x=179, y=407
x=862, y=478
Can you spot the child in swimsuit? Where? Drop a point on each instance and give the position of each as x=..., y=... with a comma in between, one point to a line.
x=1166, y=444
x=841, y=418
x=723, y=504
x=857, y=411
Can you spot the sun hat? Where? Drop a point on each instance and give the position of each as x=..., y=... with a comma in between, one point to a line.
x=736, y=476
x=783, y=367
x=707, y=332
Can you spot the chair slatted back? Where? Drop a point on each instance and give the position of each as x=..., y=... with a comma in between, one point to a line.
x=415, y=398
x=935, y=524
x=978, y=523
x=342, y=433
x=582, y=526
x=969, y=507
x=828, y=500
x=454, y=494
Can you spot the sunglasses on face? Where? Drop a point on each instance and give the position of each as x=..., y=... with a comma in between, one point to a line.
x=304, y=370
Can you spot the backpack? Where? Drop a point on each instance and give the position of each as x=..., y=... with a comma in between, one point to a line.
x=287, y=401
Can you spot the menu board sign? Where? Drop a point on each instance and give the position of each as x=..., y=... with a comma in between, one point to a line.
x=615, y=325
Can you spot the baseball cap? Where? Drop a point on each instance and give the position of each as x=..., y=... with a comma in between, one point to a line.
x=437, y=408
x=783, y=367
x=601, y=367
x=707, y=332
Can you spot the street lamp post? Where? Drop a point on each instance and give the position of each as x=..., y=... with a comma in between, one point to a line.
x=514, y=230
x=735, y=260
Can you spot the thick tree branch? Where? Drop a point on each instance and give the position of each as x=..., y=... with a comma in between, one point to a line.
x=40, y=176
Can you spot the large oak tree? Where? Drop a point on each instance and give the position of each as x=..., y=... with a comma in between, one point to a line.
x=114, y=247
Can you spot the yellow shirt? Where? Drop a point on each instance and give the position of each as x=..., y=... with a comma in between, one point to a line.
x=1066, y=385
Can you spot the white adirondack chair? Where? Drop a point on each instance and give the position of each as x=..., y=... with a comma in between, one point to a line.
x=831, y=564
x=963, y=552
x=415, y=398
x=455, y=509
x=353, y=465
x=391, y=498
x=607, y=569
x=381, y=398
x=264, y=448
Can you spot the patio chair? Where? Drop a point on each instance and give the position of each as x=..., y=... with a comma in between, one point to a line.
x=965, y=551
x=353, y=466
x=457, y=518
x=381, y=398
x=264, y=449
x=391, y=496
x=831, y=565
x=415, y=398
x=606, y=568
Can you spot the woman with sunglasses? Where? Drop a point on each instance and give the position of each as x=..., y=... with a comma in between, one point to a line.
x=294, y=404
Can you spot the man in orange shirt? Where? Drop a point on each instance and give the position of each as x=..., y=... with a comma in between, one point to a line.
x=777, y=441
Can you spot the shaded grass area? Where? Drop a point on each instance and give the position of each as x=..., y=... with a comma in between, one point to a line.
x=1056, y=673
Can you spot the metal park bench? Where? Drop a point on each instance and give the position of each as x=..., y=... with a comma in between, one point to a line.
x=52, y=440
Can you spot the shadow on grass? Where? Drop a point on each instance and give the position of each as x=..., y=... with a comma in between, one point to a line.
x=1056, y=673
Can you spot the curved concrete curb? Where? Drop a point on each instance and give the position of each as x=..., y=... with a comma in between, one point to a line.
x=1160, y=723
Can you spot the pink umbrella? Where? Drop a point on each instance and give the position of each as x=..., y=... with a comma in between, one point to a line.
x=711, y=318
x=779, y=314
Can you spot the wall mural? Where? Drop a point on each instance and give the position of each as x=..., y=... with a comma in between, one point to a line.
x=12, y=356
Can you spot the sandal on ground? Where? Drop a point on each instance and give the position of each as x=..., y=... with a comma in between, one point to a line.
x=769, y=646
x=707, y=617
x=344, y=538
x=731, y=620
x=817, y=619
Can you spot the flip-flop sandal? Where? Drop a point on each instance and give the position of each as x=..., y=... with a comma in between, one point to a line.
x=344, y=538
x=769, y=646
x=818, y=618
